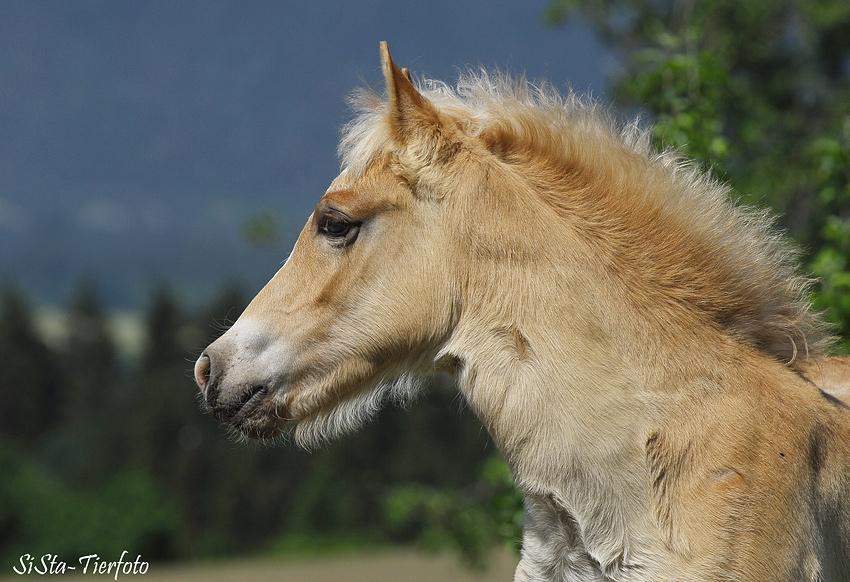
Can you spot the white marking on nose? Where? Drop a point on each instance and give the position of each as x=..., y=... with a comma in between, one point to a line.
x=249, y=353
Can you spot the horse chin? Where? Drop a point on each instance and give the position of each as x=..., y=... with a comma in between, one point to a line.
x=262, y=423
x=261, y=428
x=252, y=412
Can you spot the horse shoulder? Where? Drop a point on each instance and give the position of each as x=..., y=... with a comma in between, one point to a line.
x=765, y=466
x=831, y=455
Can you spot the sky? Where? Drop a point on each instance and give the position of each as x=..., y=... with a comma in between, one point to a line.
x=137, y=138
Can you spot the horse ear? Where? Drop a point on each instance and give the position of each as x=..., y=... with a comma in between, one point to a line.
x=410, y=113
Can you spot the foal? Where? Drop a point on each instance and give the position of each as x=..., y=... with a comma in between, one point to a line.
x=640, y=349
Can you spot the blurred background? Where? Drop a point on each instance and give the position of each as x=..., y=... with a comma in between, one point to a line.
x=158, y=160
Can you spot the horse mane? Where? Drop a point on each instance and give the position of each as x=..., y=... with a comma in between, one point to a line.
x=684, y=241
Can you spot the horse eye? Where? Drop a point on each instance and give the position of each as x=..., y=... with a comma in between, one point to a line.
x=342, y=231
x=333, y=226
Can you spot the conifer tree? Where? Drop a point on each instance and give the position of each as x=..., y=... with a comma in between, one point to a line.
x=90, y=357
x=29, y=384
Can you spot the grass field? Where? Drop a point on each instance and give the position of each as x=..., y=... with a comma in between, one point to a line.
x=386, y=566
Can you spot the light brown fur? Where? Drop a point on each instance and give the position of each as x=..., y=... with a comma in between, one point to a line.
x=640, y=349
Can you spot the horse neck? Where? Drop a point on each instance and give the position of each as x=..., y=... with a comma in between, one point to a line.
x=552, y=349
x=551, y=370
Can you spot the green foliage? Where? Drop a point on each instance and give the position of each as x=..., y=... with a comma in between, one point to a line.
x=301, y=545
x=832, y=263
x=832, y=266
x=473, y=519
x=39, y=514
x=682, y=86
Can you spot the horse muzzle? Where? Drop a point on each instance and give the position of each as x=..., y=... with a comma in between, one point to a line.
x=237, y=387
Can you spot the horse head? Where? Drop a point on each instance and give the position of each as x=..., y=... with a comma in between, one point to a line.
x=367, y=296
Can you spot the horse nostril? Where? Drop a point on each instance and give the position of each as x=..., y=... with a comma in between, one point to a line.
x=202, y=372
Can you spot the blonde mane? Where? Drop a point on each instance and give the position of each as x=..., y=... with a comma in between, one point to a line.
x=661, y=223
